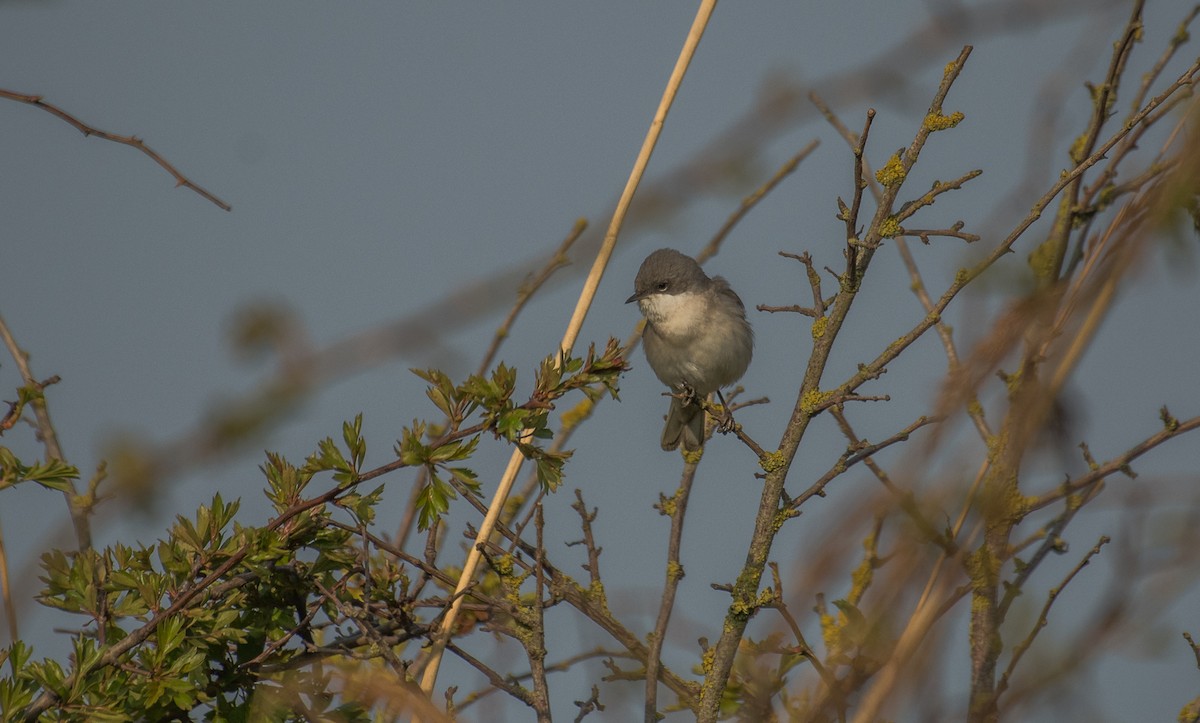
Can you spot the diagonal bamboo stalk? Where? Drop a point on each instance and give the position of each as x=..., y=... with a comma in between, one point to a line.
x=429, y=678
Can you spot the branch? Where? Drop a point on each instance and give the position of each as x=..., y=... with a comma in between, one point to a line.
x=49, y=438
x=854, y=454
x=906, y=498
x=749, y=202
x=1172, y=428
x=1023, y=646
x=766, y=523
x=560, y=666
x=593, y=552
x=559, y=259
x=1047, y=259
x=675, y=508
x=802, y=647
x=131, y=141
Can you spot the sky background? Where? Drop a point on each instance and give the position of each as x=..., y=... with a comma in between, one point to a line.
x=380, y=157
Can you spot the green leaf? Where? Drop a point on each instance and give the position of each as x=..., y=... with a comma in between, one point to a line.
x=455, y=451
x=433, y=501
x=466, y=477
x=330, y=457
x=410, y=450
x=53, y=474
x=357, y=446
x=549, y=465
x=511, y=423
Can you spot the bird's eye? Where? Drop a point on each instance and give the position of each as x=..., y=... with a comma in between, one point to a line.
x=662, y=286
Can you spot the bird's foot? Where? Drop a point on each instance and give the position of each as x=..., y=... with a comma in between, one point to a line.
x=724, y=422
x=686, y=394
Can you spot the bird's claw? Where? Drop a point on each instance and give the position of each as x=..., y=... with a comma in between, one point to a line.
x=686, y=394
x=725, y=423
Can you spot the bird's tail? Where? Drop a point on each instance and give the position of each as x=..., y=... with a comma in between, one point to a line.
x=685, y=424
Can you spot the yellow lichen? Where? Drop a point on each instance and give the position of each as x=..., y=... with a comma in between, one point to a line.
x=812, y=399
x=890, y=228
x=818, y=327
x=935, y=122
x=892, y=173
x=772, y=461
x=1044, y=260
x=831, y=632
x=783, y=516
x=860, y=579
x=706, y=660
x=503, y=565
x=741, y=609
x=981, y=569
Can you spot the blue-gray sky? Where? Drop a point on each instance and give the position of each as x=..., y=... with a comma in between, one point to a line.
x=379, y=156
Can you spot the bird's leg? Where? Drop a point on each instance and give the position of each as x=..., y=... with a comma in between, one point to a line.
x=686, y=394
x=725, y=423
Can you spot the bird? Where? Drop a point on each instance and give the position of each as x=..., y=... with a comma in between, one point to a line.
x=697, y=339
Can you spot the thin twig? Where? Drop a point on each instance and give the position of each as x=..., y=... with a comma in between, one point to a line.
x=590, y=705
x=534, y=637
x=131, y=141
x=749, y=202
x=589, y=541
x=1120, y=463
x=1023, y=646
x=1192, y=644
x=560, y=666
x=559, y=259
x=49, y=438
x=802, y=647
x=676, y=508
x=905, y=497
x=855, y=454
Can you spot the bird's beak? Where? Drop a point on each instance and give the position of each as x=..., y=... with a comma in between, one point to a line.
x=636, y=297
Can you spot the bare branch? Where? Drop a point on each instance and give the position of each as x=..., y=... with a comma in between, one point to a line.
x=1023, y=646
x=674, y=507
x=131, y=141
x=750, y=201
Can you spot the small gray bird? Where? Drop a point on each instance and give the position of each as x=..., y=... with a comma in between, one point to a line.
x=697, y=338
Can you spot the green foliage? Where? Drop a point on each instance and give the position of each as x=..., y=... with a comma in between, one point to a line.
x=51, y=474
x=492, y=397
x=328, y=458
x=204, y=608
x=190, y=625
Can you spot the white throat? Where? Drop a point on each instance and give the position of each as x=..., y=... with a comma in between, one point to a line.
x=676, y=316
